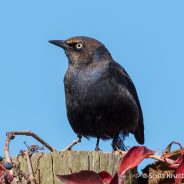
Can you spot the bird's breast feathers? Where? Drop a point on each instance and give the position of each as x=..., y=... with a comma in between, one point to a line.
x=91, y=87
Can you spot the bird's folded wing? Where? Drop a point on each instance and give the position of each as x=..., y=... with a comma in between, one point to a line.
x=122, y=77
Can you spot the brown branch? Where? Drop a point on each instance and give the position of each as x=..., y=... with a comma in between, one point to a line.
x=69, y=147
x=29, y=133
x=31, y=176
x=11, y=135
x=6, y=149
x=167, y=160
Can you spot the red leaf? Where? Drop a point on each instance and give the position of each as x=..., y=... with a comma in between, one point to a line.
x=115, y=179
x=134, y=156
x=1, y=170
x=82, y=177
x=179, y=173
x=5, y=174
x=105, y=176
x=9, y=177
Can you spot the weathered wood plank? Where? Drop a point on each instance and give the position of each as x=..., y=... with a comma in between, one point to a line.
x=47, y=166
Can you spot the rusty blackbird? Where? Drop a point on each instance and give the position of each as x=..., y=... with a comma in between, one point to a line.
x=101, y=99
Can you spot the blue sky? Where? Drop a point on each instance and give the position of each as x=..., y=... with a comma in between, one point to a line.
x=145, y=37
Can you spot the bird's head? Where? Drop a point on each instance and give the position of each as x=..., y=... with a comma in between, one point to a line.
x=82, y=50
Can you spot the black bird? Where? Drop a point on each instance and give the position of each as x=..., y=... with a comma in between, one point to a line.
x=101, y=99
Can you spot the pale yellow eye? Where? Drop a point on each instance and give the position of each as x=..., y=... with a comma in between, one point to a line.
x=79, y=45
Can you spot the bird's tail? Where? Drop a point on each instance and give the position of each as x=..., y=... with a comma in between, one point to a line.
x=118, y=141
x=139, y=132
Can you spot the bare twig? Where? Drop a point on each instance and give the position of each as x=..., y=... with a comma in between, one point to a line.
x=31, y=176
x=39, y=177
x=69, y=147
x=9, y=137
x=29, y=133
x=31, y=149
x=167, y=160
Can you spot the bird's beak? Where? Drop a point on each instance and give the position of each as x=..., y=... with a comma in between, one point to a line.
x=59, y=43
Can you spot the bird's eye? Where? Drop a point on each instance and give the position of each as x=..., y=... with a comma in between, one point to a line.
x=78, y=45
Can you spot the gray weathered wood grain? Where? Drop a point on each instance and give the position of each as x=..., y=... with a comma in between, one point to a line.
x=47, y=165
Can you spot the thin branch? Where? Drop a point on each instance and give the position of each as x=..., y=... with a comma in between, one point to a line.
x=166, y=160
x=11, y=135
x=30, y=167
x=69, y=147
x=6, y=150
x=29, y=133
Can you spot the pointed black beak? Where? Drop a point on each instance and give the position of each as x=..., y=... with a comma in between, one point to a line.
x=59, y=43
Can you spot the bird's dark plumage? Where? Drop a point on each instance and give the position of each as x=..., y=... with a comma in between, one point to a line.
x=101, y=99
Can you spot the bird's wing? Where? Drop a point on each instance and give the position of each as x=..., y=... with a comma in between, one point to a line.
x=122, y=77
